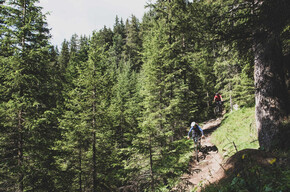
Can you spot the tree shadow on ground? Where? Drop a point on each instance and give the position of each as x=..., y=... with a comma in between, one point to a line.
x=252, y=170
x=206, y=149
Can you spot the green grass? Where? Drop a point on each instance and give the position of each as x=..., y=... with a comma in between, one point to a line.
x=237, y=132
x=250, y=172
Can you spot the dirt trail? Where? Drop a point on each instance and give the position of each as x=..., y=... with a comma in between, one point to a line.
x=209, y=168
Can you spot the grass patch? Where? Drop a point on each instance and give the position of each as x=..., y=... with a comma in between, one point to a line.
x=251, y=169
x=237, y=132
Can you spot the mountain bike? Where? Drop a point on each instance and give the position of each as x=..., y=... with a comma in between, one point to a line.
x=197, y=145
x=218, y=108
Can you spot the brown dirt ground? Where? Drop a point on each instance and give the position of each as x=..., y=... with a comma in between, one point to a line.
x=209, y=169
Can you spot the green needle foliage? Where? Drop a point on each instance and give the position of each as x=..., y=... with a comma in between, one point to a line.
x=109, y=112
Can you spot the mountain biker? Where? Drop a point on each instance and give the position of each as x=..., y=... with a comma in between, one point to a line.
x=218, y=101
x=195, y=129
x=218, y=98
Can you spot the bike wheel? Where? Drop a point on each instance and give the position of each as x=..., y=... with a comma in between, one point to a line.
x=216, y=110
x=197, y=146
x=196, y=153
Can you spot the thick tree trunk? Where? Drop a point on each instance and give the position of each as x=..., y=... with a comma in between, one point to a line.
x=270, y=87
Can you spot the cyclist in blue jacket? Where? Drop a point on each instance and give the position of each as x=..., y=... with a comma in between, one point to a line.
x=195, y=129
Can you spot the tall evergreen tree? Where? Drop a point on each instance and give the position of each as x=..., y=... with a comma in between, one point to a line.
x=124, y=108
x=83, y=49
x=74, y=44
x=64, y=57
x=106, y=37
x=257, y=26
x=30, y=123
x=86, y=127
x=118, y=41
x=165, y=87
x=234, y=77
x=133, y=44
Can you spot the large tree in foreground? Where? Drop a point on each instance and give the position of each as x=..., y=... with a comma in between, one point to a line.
x=257, y=26
x=271, y=95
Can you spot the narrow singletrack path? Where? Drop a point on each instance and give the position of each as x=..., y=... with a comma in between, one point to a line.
x=209, y=168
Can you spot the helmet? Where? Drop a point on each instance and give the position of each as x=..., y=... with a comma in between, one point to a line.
x=192, y=124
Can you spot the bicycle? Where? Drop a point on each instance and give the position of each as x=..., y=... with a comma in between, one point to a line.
x=197, y=145
x=218, y=108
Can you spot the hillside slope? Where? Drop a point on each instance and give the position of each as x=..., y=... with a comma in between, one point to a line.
x=224, y=136
x=231, y=160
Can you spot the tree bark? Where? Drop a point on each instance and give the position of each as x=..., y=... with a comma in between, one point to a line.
x=80, y=169
x=270, y=87
x=94, y=163
x=20, y=112
x=151, y=165
x=94, y=135
x=20, y=151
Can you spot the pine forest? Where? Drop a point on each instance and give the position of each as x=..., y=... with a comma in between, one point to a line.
x=111, y=111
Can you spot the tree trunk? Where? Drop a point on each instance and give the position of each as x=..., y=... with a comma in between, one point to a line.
x=20, y=152
x=24, y=23
x=231, y=102
x=94, y=135
x=80, y=169
x=208, y=100
x=231, y=99
x=151, y=165
x=94, y=163
x=270, y=87
x=20, y=112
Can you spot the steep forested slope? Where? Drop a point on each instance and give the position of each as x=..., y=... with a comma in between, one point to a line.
x=109, y=112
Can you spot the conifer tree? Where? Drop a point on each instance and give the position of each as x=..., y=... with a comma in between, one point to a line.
x=30, y=123
x=133, y=44
x=64, y=57
x=118, y=42
x=124, y=106
x=83, y=49
x=234, y=78
x=257, y=26
x=163, y=94
x=86, y=126
x=106, y=37
x=74, y=44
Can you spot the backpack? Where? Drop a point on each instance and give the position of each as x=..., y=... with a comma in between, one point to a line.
x=196, y=130
x=217, y=97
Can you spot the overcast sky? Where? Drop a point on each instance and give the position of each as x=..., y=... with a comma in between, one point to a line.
x=68, y=17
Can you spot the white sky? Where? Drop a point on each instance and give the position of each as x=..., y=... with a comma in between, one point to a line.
x=82, y=17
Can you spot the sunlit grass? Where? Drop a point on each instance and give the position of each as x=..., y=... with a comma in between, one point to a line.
x=237, y=132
